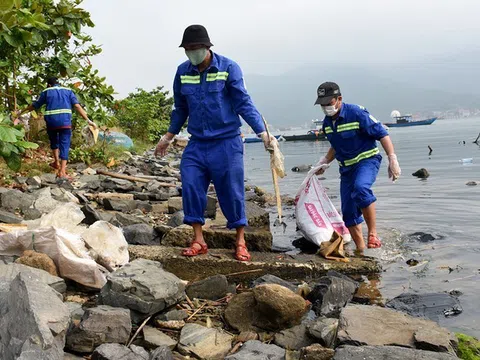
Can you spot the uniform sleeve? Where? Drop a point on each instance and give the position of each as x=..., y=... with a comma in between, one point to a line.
x=42, y=100
x=73, y=99
x=242, y=103
x=180, y=109
x=370, y=125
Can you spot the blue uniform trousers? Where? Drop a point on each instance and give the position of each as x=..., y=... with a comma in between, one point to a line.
x=220, y=161
x=355, y=188
x=60, y=139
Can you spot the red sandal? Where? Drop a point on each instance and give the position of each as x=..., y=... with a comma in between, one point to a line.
x=242, y=254
x=374, y=242
x=193, y=251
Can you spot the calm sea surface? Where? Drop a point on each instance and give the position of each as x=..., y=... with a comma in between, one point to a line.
x=442, y=206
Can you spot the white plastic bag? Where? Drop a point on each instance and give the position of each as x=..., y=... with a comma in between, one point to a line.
x=108, y=243
x=316, y=216
x=67, y=217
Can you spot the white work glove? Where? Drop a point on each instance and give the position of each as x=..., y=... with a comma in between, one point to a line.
x=394, y=170
x=162, y=146
x=91, y=123
x=322, y=161
x=267, y=140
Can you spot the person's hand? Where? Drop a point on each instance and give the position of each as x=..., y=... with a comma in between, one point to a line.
x=268, y=140
x=162, y=146
x=91, y=123
x=394, y=170
x=322, y=161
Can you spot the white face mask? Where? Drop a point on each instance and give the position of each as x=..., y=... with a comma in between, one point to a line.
x=197, y=56
x=330, y=110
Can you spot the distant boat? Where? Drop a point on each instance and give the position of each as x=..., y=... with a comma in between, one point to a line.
x=407, y=120
x=311, y=135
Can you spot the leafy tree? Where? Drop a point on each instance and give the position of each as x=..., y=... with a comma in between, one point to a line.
x=144, y=115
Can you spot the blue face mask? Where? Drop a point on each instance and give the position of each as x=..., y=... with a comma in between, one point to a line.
x=197, y=56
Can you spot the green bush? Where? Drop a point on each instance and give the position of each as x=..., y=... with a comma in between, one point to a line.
x=468, y=347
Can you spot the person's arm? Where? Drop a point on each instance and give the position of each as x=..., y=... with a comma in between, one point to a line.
x=242, y=103
x=330, y=156
x=180, y=110
x=387, y=145
x=81, y=111
x=42, y=99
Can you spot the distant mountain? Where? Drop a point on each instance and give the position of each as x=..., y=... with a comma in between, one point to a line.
x=422, y=87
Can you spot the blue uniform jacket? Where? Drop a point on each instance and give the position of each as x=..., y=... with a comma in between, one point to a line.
x=59, y=102
x=212, y=101
x=353, y=135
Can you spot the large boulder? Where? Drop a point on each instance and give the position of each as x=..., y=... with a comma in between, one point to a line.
x=256, y=350
x=204, y=343
x=331, y=294
x=256, y=239
x=257, y=217
x=387, y=352
x=376, y=326
x=99, y=325
x=16, y=200
x=142, y=286
x=267, y=307
x=10, y=272
x=141, y=234
x=33, y=321
x=212, y=288
x=431, y=306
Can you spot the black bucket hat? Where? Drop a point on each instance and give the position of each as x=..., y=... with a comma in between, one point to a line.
x=195, y=35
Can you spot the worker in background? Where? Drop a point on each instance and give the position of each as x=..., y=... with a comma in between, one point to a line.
x=353, y=134
x=59, y=102
x=209, y=90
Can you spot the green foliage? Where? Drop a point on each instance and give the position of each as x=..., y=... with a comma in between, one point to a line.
x=144, y=115
x=102, y=152
x=12, y=143
x=468, y=347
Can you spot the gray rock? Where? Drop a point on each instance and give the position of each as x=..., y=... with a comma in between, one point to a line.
x=376, y=326
x=422, y=237
x=144, y=206
x=330, y=295
x=162, y=353
x=99, y=325
x=141, y=196
x=76, y=311
x=21, y=180
x=272, y=279
x=141, y=353
x=10, y=272
x=16, y=200
x=119, y=205
x=154, y=338
x=115, y=352
x=48, y=178
x=472, y=183
x=387, y=352
x=172, y=315
x=9, y=218
x=294, y=338
x=256, y=350
x=91, y=215
x=431, y=306
x=302, y=168
x=325, y=331
x=143, y=286
x=44, y=201
x=6, y=259
x=32, y=214
x=422, y=173
x=316, y=352
x=141, y=234
x=175, y=204
x=176, y=219
x=68, y=356
x=212, y=288
x=211, y=208
x=204, y=343
x=256, y=216
x=34, y=321
x=63, y=195
x=123, y=220
x=35, y=181
x=119, y=185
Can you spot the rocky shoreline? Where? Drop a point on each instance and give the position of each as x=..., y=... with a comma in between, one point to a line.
x=144, y=301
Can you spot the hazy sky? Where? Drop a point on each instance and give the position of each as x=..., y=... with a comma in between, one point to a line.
x=140, y=38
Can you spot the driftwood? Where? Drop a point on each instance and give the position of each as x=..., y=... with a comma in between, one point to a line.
x=132, y=178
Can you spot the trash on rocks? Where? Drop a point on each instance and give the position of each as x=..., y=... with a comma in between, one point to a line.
x=317, y=218
x=333, y=249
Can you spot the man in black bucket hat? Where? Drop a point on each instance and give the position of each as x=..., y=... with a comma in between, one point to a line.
x=209, y=90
